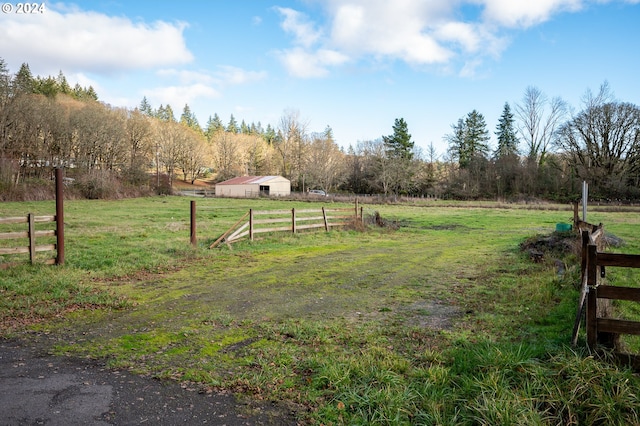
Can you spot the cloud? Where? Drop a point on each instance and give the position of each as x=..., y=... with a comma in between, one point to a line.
x=308, y=64
x=198, y=85
x=396, y=30
x=446, y=33
x=178, y=96
x=82, y=41
x=357, y=30
x=186, y=76
x=299, y=26
x=229, y=75
x=524, y=14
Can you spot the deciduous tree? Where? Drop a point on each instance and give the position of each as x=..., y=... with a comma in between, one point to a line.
x=603, y=142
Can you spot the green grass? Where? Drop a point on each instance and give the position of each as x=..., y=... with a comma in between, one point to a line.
x=442, y=321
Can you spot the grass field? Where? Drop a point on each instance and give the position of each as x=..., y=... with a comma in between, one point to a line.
x=440, y=320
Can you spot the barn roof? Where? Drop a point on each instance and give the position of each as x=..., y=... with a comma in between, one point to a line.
x=248, y=180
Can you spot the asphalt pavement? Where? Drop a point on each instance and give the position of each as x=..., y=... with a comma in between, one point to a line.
x=40, y=389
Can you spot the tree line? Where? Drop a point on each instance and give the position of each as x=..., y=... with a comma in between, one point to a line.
x=542, y=149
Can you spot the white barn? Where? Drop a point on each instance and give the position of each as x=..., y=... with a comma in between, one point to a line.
x=253, y=186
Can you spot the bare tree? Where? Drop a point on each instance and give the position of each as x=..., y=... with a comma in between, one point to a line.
x=171, y=142
x=226, y=155
x=538, y=120
x=256, y=154
x=192, y=161
x=603, y=141
x=325, y=163
x=139, y=136
x=291, y=145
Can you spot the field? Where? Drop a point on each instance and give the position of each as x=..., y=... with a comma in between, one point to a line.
x=438, y=318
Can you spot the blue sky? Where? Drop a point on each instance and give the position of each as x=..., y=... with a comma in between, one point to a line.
x=353, y=65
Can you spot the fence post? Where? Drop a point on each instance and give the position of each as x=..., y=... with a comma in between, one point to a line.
x=584, y=287
x=326, y=222
x=356, y=210
x=32, y=238
x=59, y=218
x=251, y=224
x=193, y=224
x=592, y=298
x=293, y=220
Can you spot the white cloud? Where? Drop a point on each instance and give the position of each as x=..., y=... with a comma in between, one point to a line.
x=178, y=96
x=418, y=32
x=360, y=29
x=397, y=30
x=186, y=76
x=197, y=85
x=225, y=75
x=228, y=75
x=466, y=35
x=524, y=14
x=296, y=23
x=308, y=64
x=74, y=41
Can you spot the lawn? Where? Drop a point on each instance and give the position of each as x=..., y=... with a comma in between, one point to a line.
x=438, y=319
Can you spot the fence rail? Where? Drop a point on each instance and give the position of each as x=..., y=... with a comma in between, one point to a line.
x=31, y=233
x=266, y=221
x=596, y=295
x=596, y=325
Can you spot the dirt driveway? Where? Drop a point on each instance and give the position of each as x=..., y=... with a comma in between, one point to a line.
x=40, y=389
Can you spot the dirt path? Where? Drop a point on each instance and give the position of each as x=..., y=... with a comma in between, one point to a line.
x=37, y=388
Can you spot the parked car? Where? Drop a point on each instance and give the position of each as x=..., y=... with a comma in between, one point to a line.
x=318, y=192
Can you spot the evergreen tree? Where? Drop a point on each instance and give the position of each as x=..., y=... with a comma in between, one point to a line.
x=189, y=119
x=506, y=134
x=232, y=127
x=63, y=84
x=399, y=145
x=256, y=129
x=214, y=125
x=77, y=91
x=456, y=140
x=91, y=94
x=244, y=129
x=46, y=86
x=328, y=133
x=269, y=135
x=165, y=113
x=469, y=139
x=23, y=81
x=145, y=107
x=476, y=135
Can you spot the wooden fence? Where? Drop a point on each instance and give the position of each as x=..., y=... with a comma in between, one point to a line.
x=31, y=233
x=601, y=328
x=294, y=220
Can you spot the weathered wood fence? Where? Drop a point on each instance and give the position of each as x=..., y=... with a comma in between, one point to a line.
x=294, y=220
x=596, y=326
x=601, y=328
x=31, y=233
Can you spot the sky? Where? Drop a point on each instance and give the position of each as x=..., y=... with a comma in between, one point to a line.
x=353, y=65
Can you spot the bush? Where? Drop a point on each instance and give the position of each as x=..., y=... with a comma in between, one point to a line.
x=97, y=184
